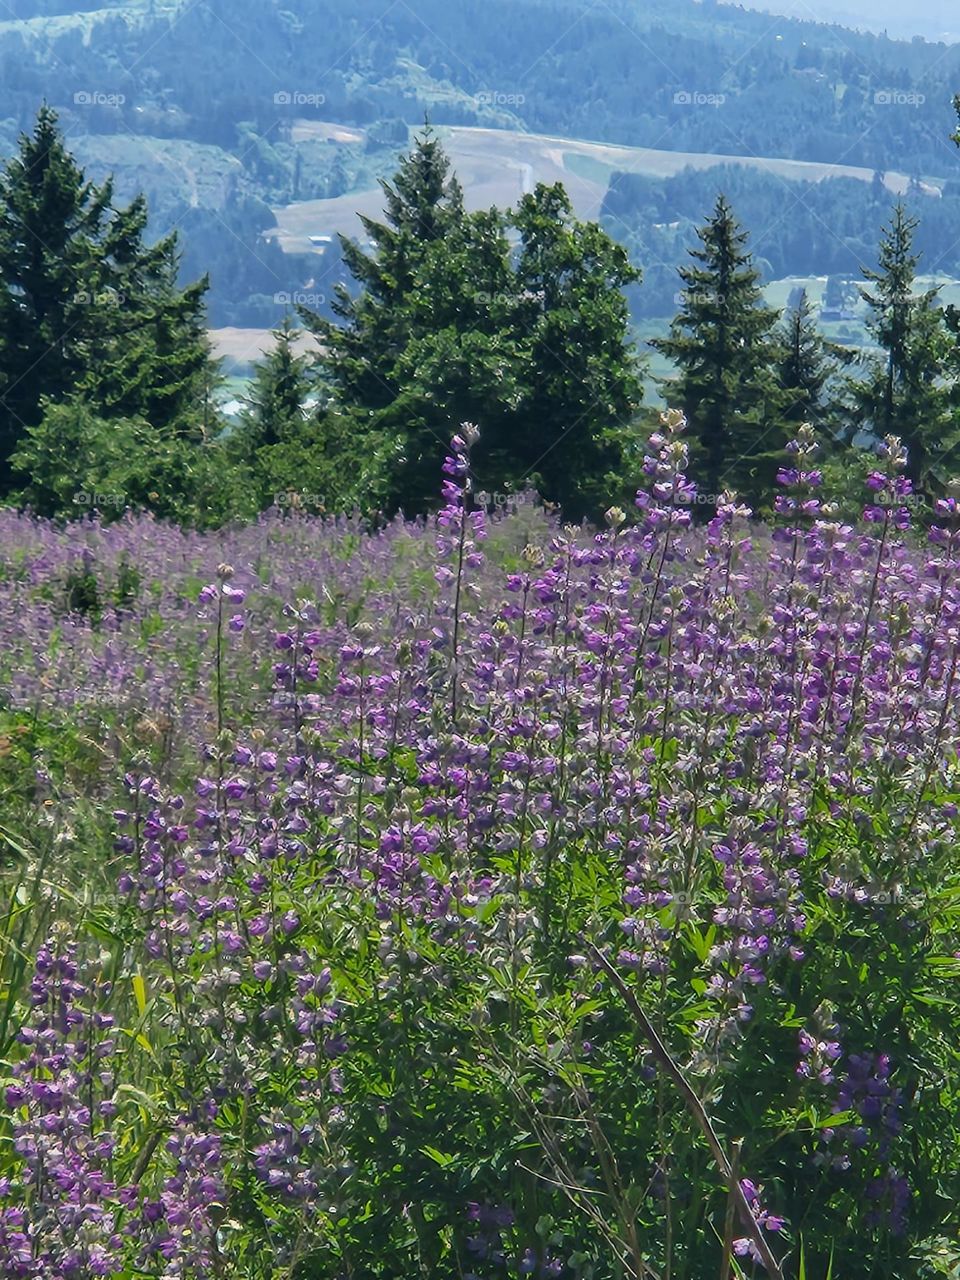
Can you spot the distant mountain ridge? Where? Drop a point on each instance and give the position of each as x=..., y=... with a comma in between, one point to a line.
x=201, y=103
x=671, y=74
x=932, y=19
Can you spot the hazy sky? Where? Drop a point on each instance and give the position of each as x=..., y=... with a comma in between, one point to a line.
x=931, y=18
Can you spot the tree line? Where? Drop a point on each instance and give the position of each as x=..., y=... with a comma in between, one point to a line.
x=799, y=228
x=516, y=320
x=160, y=77
x=619, y=72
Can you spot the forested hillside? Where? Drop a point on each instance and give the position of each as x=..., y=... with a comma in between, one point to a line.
x=798, y=228
x=612, y=72
x=934, y=19
x=214, y=90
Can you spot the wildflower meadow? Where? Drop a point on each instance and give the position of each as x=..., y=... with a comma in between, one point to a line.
x=483, y=897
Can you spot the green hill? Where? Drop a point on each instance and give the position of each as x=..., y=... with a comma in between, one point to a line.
x=227, y=109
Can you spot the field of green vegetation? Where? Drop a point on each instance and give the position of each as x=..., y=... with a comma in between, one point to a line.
x=482, y=896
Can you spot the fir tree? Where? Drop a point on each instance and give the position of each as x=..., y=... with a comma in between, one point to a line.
x=423, y=205
x=50, y=222
x=297, y=450
x=901, y=392
x=945, y=465
x=86, y=307
x=724, y=344
x=150, y=356
x=580, y=377
x=449, y=327
x=277, y=402
x=808, y=365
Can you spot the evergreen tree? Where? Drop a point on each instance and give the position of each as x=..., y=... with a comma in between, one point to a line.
x=76, y=462
x=86, y=307
x=276, y=403
x=901, y=392
x=461, y=361
x=423, y=204
x=808, y=365
x=839, y=293
x=297, y=451
x=321, y=465
x=149, y=355
x=448, y=328
x=338, y=179
x=50, y=221
x=724, y=344
x=944, y=460
x=580, y=378
x=393, y=355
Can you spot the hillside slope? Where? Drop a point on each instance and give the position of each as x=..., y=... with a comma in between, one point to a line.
x=666, y=74
x=226, y=109
x=933, y=19
x=497, y=166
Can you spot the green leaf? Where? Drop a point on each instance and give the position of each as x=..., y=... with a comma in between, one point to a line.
x=442, y=1160
x=138, y=1095
x=140, y=992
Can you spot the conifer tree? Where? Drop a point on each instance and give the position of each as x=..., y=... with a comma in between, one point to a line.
x=296, y=449
x=724, y=344
x=50, y=221
x=581, y=379
x=450, y=327
x=901, y=392
x=423, y=204
x=945, y=462
x=808, y=365
x=86, y=307
x=149, y=355
x=276, y=404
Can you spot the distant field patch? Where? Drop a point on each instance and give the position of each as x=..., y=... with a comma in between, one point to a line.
x=497, y=166
x=241, y=347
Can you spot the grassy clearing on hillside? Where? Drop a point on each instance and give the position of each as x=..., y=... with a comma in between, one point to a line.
x=496, y=165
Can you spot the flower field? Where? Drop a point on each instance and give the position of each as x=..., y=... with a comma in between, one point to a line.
x=481, y=897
